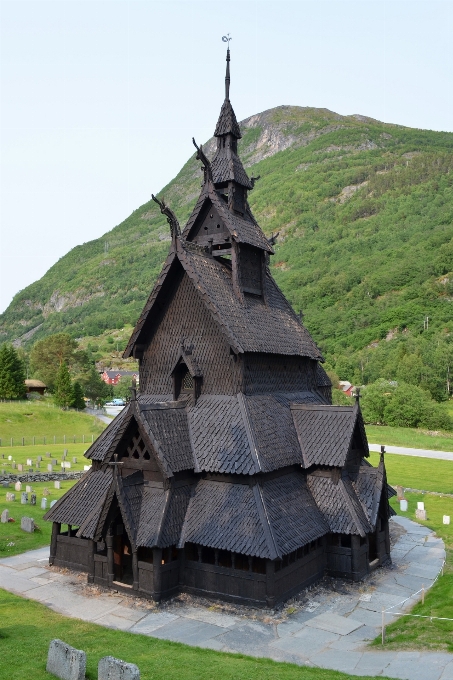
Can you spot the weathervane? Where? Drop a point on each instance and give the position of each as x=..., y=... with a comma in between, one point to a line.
x=226, y=38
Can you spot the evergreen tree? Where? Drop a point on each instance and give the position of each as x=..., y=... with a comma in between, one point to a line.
x=77, y=396
x=12, y=374
x=94, y=387
x=63, y=391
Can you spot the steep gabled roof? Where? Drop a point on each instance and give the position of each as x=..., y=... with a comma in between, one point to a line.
x=227, y=123
x=242, y=229
x=226, y=166
x=108, y=440
x=325, y=432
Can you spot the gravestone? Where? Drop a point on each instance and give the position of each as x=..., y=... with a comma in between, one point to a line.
x=18, y=486
x=5, y=484
x=66, y=662
x=10, y=496
x=74, y=460
x=52, y=504
x=29, y=461
x=20, y=467
x=420, y=506
x=27, y=524
x=400, y=493
x=57, y=485
x=39, y=459
x=33, y=499
x=38, y=465
x=43, y=503
x=24, y=498
x=46, y=491
x=421, y=514
x=446, y=519
x=49, y=468
x=48, y=454
x=110, y=668
x=54, y=461
x=403, y=506
x=13, y=465
x=28, y=489
x=86, y=467
x=5, y=517
x=10, y=457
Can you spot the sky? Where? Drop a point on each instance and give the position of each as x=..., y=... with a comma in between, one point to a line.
x=100, y=99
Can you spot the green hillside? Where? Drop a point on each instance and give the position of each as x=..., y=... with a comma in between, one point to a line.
x=364, y=212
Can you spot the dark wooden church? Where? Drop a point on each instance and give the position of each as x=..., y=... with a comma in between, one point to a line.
x=230, y=475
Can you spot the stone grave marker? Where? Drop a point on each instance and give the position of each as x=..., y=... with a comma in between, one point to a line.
x=43, y=503
x=10, y=457
x=38, y=465
x=10, y=496
x=39, y=459
x=86, y=467
x=13, y=465
x=50, y=468
x=54, y=461
x=66, y=662
x=5, y=517
x=18, y=486
x=46, y=491
x=5, y=483
x=20, y=467
x=403, y=505
x=48, y=454
x=27, y=524
x=33, y=499
x=24, y=498
x=420, y=506
x=74, y=460
x=52, y=503
x=421, y=514
x=110, y=668
x=57, y=485
x=28, y=489
x=400, y=493
x=29, y=461
x=446, y=519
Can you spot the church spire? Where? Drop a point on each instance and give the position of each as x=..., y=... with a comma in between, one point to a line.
x=227, y=76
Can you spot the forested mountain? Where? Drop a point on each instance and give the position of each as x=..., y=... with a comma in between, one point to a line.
x=364, y=212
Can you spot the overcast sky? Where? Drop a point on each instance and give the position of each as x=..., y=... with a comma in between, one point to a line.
x=100, y=98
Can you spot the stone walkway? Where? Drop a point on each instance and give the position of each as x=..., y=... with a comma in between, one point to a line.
x=330, y=631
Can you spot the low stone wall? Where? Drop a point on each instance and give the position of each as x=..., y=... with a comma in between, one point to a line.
x=42, y=476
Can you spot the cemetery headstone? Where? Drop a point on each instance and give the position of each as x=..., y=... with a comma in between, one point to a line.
x=54, y=461
x=13, y=465
x=66, y=662
x=38, y=465
x=10, y=496
x=5, y=517
x=24, y=498
x=5, y=484
x=18, y=486
x=20, y=467
x=33, y=499
x=420, y=506
x=48, y=454
x=46, y=491
x=57, y=485
x=400, y=493
x=421, y=514
x=74, y=460
x=403, y=505
x=39, y=459
x=446, y=519
x=29, y=461
x=50, y=468
x=52, y=504
x=28, y=489
x=86, y=467
x=110, y=668
x=27, y=524
x=43, y=503
x=10, y=457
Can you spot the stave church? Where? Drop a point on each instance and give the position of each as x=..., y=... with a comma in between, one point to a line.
x=229, y=474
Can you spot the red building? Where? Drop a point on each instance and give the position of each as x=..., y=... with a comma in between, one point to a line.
x=113, y=377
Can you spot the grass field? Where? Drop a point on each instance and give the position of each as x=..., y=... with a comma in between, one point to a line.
x=427, y=474
x=28, y=627
x=20, y=454
x=12, y=539
x=41, y=419
x=418, y=633
x=409, y=437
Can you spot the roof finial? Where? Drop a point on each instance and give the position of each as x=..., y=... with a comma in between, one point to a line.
x=226, y=38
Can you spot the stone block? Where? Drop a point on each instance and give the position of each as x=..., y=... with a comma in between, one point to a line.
x=66, y=662
x=27, y=524
x=421, y=514
x=110, y=668
x=57, y=485
x=10, y=496
x=24, y=498
x=28, y=489
x=33, y=499
x=18, y=486
x=4, y=517
x=43, y=503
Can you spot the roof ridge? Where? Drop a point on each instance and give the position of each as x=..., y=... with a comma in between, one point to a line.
x=272, y=543
x=249, y=431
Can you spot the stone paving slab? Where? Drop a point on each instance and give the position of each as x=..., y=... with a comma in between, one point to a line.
x=291, y=645
x=333, y=623
x=133, y=615
x=188, y=631
x=152, y=622
x=208, y=616
x=374, y=663
x=448, y=672
x=117, y=622
x=412, y=666
x=344, y=661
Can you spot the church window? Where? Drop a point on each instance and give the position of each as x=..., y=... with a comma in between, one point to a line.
x=187, y=382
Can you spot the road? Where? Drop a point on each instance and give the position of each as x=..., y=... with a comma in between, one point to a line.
x=421, y=453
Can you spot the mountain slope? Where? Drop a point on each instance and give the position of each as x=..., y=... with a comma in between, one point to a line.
x=365, y=215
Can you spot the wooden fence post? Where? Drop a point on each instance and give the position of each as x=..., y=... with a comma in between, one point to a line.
x=383, y=626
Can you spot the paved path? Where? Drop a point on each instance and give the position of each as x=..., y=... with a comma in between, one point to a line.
x=330, y=631
x=421, y=453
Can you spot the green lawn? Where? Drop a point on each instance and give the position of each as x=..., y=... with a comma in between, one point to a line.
x=409, y=437
x=427, y=474
x=39, y=419
x=25, y=638
x=409, y=632
x=12, y=539
x=20, y=454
